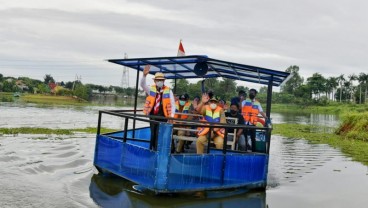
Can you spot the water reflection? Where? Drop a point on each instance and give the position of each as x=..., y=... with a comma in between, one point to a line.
x=116, y=192
x=327, y=120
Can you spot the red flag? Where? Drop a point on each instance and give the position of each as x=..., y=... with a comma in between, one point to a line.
x=181, y=51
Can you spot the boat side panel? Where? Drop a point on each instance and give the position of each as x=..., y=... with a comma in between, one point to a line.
x=129, y=161
x=195, y=172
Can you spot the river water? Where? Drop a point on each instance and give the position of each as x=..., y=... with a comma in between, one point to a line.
x=57, y=171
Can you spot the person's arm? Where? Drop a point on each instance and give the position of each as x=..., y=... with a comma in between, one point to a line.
x=143, y=80
x=204, y=100
x=172, y=102
x=261, y=112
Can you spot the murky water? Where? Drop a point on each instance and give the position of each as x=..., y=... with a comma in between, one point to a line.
x=57, y=171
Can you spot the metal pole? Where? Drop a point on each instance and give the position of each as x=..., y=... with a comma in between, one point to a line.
x=269, y=97
x=268, y=113
x=99, y=122
x=175, y=87
x=126, y=129
x=135, y=100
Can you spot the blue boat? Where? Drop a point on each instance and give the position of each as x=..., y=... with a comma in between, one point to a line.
x=127, y=153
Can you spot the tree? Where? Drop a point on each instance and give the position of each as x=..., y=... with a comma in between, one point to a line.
x=1, y=77
x=331, y=84
x=82, y=91
x=181, y=86
x=351, y=87
x=341, y=80
x=317, y=84
x=48, y=79
x=294, y=82
x=226, y=89
x=362, y=78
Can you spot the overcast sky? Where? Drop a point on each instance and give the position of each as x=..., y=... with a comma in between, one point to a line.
x=66, y=38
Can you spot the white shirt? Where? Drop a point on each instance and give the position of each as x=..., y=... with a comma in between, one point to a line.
x=146, y=89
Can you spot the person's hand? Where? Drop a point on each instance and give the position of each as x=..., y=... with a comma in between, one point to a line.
x=205, y=98
x=146, y=70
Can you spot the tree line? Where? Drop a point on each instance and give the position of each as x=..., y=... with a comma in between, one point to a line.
x=49, y=86
x=316, y=89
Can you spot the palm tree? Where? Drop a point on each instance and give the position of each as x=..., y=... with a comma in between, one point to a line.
x=352, y=77
x=341, y=80
x=361, y=79
x=331, y=84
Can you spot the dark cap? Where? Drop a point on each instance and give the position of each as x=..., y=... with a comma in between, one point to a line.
x=182, y=97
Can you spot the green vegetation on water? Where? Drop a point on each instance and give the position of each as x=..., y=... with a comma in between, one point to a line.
x=357, y=149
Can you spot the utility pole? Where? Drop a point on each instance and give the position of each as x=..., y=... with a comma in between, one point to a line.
x=125, y=77
x=76, y=79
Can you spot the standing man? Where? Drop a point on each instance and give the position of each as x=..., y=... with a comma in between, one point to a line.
x=212, y=112
x=250, y=110
x=159, y=102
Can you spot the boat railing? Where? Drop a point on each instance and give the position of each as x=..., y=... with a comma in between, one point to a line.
x=132, y=116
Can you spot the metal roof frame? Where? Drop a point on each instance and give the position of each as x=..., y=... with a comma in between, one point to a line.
x=182, y=67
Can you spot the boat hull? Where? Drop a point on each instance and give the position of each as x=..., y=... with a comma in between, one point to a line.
x=164, y=172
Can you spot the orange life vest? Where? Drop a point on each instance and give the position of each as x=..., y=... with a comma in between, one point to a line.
x=212, y=116
x=165, y=101
x=185, y=110
x=250, y=111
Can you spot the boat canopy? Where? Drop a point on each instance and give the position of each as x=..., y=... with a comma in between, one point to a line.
x=201, y=66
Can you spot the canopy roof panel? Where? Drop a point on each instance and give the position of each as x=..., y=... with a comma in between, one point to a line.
x=183, y=67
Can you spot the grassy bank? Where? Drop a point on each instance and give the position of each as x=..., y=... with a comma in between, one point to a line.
x=354, y=126
x=332, y=108
x=357, y=149
x=51, y=99
x=28, y=130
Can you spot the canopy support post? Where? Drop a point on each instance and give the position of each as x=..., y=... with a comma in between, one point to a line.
x=135, y=101
x=269, y=97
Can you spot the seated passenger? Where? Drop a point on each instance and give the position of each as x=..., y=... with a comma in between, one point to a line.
x=239, y=137
x=212, y=113
x=182, y=107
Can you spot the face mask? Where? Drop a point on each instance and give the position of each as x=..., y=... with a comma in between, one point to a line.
x=159, y=84
x=233, y=112
x=252, y=96
x=181, y=102
x=213, y=106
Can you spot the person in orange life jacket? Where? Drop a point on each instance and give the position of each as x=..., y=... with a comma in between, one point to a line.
x=212, y=113
x=182, y=107
x=159, y=102
x=250, y=110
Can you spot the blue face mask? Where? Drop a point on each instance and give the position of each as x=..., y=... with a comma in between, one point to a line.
x=181, y=102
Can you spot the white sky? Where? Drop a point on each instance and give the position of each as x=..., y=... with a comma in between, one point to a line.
x=64, y=37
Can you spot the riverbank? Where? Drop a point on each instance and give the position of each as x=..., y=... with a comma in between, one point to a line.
x=332, y=108
x=356, y=149
x=42, y=99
